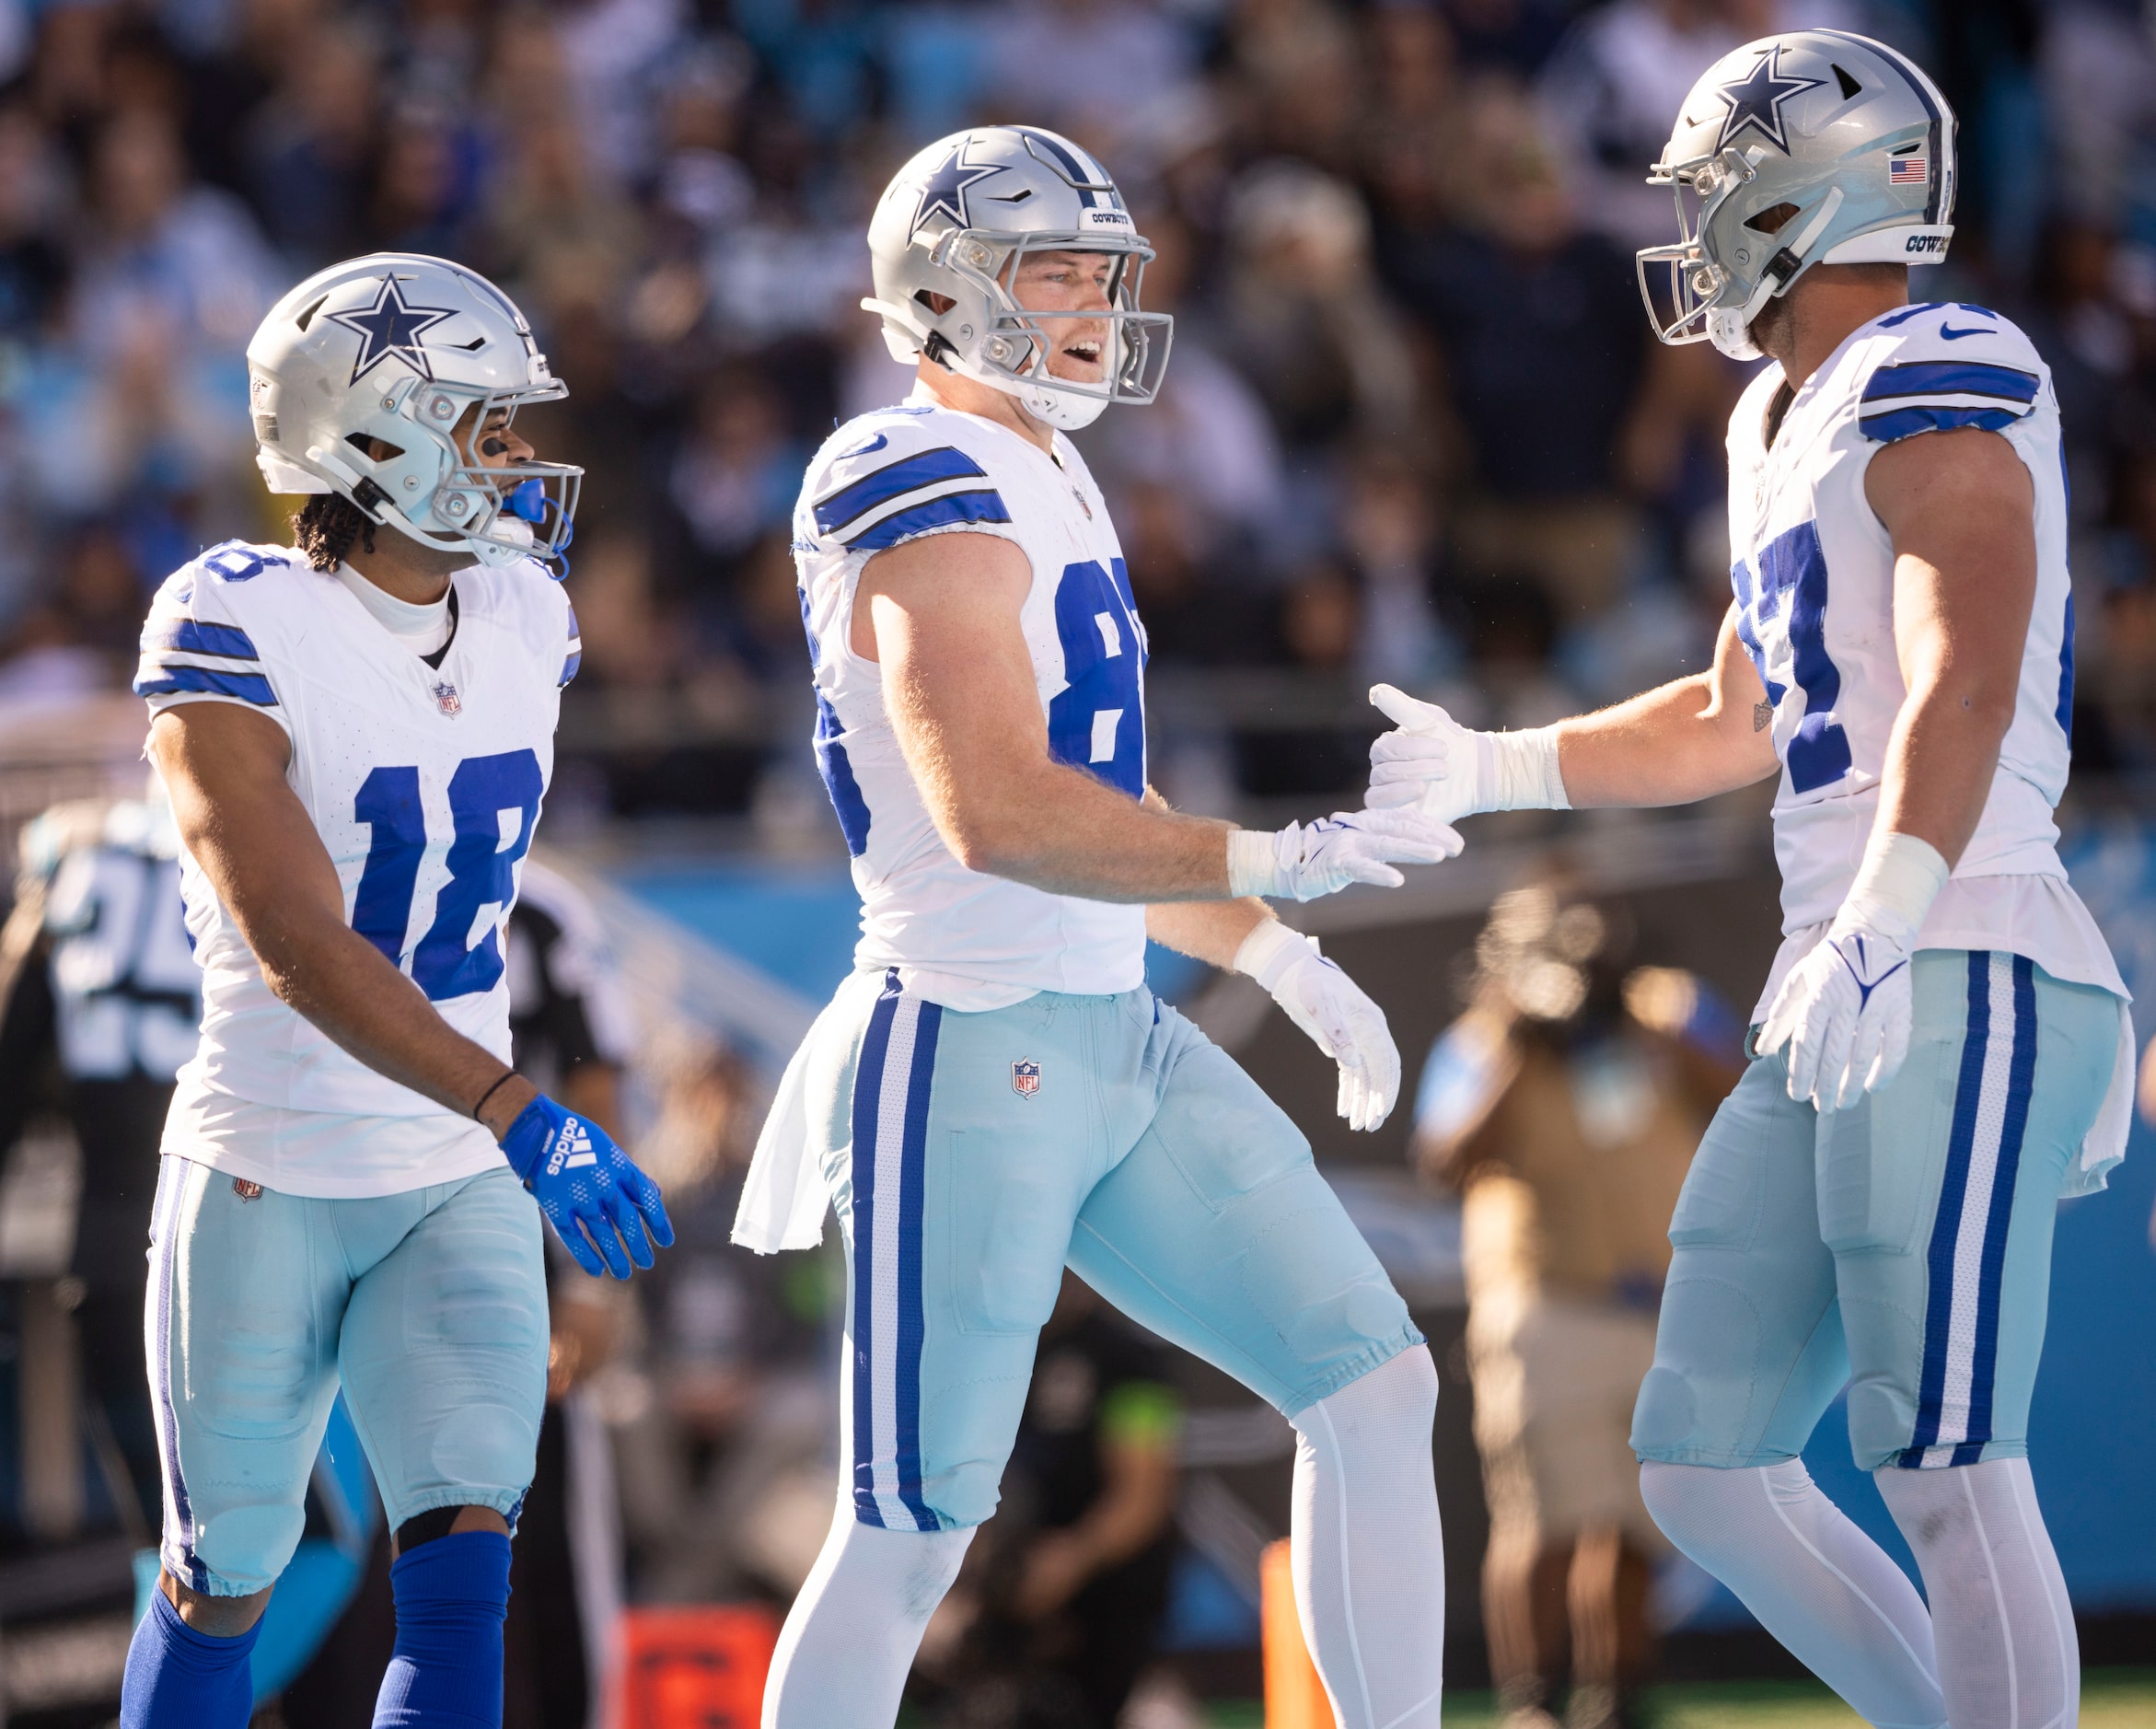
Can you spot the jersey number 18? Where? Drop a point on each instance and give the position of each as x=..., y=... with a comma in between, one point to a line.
x=483, y=872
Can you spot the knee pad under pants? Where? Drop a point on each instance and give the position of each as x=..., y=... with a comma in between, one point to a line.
x=1903, y=1245
x=429, y=1307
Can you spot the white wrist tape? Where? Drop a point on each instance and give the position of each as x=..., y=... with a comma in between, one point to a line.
x=1251, y=869
x=1270, y=950
x=1519, y=770
x=1897, y=883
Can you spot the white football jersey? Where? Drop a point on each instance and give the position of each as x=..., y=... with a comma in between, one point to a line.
x=1814, y=578
x=960, y=937
x=424, y=784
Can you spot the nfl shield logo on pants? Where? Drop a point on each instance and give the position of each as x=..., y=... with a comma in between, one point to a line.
x=1026, y=1077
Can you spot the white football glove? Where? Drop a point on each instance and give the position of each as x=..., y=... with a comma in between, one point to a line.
x=1331, y=1008
x=1434, y=764
x=1846, y=1009
x=1304, y=861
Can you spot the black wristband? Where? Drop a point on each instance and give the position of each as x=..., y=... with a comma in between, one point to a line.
x=508, y=1075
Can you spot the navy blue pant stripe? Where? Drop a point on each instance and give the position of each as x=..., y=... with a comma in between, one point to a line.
x=868, y=1087
x=912, y=1321
x=2021, y=1084
x=1947, y=1225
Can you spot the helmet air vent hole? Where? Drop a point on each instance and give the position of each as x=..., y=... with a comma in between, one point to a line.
x=374, y=450
x=1849, y=87
x=307, y=317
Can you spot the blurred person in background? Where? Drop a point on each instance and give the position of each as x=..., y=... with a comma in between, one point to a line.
x=1543, y=356
x=726, y=1454
x=1059, y=1608
x=1564, y=1106
x=1301, y=316
x=571, y=1036
x=99, y=995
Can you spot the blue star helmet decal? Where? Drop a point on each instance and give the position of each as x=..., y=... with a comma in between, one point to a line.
x=390, y=329
x=945, y=189
x=1756, y=99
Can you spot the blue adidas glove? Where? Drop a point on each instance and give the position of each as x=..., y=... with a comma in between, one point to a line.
x=587, y=1186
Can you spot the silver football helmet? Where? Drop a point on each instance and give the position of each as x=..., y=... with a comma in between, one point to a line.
x=398, y=346
x=1848, y=131
x=957, y=221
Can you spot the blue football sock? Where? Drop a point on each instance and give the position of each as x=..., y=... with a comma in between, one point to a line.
x=445, y=1672
x=177, y=1678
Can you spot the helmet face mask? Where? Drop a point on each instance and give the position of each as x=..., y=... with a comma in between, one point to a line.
x=955, y=227
x=1844, y=131
x=1019, y=341
x=424, y=357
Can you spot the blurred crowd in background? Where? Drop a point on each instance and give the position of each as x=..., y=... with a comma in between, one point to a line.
x=1415, y=429
x=1415, y=426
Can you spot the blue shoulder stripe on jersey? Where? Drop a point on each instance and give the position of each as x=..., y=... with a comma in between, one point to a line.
x=569, y=669
x=976, y=506
x=191, y=636
x=1905, y=423
x=924, y=467
x=249, y=687
x=1951, y=378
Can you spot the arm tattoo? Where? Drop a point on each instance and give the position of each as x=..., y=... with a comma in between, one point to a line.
x=1762, y=717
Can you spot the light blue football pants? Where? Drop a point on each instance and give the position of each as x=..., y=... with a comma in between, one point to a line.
x=1902, y=1246
x=972, y=1157
x=429, y=1307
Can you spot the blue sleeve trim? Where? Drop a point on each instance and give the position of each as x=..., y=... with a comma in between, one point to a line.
x=249, y=687
x=1903, y=422
x=937, y=513
x=191, y=636
x=569, y=669
x=1951, y=378
x=908, y=474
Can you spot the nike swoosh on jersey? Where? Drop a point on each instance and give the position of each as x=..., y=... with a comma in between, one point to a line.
x=1948, y=333
x=877, y=443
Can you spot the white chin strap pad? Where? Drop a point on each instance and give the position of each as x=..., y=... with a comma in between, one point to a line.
x=1731, y=331
x=1064, y=409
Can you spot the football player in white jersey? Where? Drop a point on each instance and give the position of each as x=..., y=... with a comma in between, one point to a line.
x=1939, y=1053
x=356, y=734
x=994, y=1093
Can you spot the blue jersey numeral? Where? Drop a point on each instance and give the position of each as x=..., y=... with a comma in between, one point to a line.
x=1793, y=564
x=483, y=872
x=1098, y=724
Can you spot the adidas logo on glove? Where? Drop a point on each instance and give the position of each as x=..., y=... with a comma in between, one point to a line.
x=572, y=1147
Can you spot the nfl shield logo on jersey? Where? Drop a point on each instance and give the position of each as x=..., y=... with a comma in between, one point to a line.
x=1026, y=1077
x=445, y=694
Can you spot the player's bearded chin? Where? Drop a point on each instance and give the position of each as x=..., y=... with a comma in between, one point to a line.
x=1770, y=326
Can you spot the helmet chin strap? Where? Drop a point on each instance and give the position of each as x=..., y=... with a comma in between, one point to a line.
x=1065, y=410
x=1730, y=329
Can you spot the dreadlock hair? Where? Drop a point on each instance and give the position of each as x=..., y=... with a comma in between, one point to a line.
x=326, y=527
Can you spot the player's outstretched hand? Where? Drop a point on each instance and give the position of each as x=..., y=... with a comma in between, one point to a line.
x=1429, y=760
x=591, y=1191
x=1304, y=861
x=1431, y=763
x=1329, y=1006
x=1844, y=1013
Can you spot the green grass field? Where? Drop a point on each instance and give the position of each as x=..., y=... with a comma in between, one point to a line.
x=2111, y=1698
